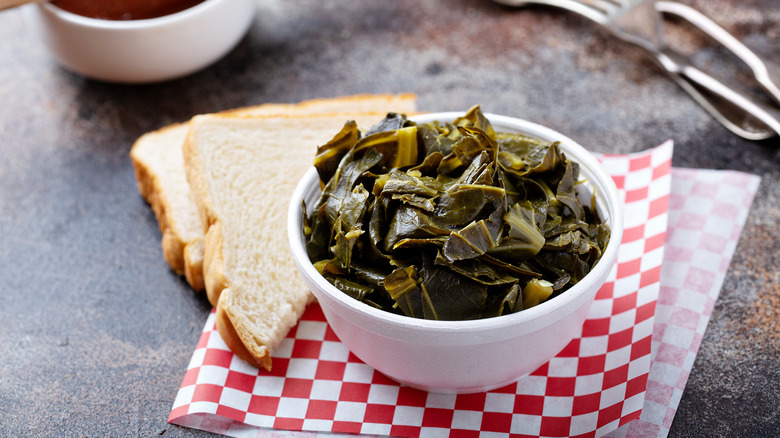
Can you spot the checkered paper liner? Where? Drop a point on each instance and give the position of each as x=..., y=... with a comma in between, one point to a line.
x=596, y=384
x=707, y=211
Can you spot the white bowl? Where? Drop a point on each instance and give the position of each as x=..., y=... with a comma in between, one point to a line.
x=464, y=356
x=142, y=51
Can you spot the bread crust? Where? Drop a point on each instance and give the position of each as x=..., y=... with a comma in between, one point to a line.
x=213, y=266
x=323, y=105
x=193, y=264
x=259, y=356
x=150, y=188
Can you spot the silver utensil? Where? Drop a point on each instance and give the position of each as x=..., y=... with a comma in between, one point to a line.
x=640, y=22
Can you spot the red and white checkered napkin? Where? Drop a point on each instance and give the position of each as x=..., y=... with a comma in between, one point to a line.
x=592, y=387
x=707, y=210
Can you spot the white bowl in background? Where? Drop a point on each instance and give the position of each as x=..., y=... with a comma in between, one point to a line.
x=146, y=50
x=464, y=356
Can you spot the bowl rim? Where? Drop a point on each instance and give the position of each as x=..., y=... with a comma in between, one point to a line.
x=543, y=310
x=143, y=23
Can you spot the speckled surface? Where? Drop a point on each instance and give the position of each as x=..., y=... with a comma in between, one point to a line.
x=96, y=331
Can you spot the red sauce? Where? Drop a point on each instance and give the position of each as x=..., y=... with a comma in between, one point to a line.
x=125, y=9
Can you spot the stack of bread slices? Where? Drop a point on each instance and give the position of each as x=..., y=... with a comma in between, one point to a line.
x=220, y=185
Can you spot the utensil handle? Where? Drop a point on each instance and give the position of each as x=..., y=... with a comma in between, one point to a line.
x=727, y=40
x=8, y=4
x=735, y=111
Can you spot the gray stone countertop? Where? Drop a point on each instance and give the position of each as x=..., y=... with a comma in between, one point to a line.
x=97, y=332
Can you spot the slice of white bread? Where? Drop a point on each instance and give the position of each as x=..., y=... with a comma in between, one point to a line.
x=159, y=171
x=242, y=171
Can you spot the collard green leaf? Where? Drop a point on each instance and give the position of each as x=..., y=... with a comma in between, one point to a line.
x=398, y=182
x=566, y=194
x=420, y=202
x=472, y=143
x=478, y=172
x=434, y=142
x=451, y=295
x=475, y=118
x=519, y=270
x=476, y=238
x=344, y=180
x=428, y=242
x=398, y=148
x=523, y=239
x=354, y=289
x=330, y=154
x=373, y=248
x=479, y=270
x=430, y=164
x=510, y=300
x=349, y=224
x=401, y=281
x=411, y=223
x=449, y=164
x=462, y=206
x=391, y=122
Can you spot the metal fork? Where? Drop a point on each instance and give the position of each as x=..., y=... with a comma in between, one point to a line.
x=640, y=22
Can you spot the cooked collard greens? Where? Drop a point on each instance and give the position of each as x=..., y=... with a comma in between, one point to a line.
x=450, y=220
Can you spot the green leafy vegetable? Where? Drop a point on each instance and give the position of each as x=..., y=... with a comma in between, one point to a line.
x=450, y=220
